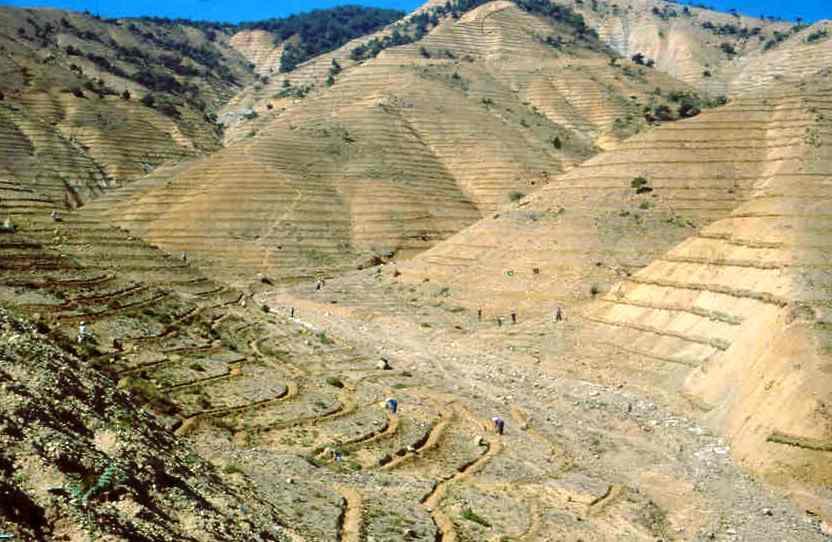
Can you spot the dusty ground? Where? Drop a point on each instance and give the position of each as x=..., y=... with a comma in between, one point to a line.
x=579, y=460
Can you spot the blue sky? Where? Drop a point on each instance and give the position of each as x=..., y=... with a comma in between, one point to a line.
x=246, y=10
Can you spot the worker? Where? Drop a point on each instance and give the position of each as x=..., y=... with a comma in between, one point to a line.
x=83, y=333
x=558, y=316
x=55, y=216
x=513, y=317
x=479, y=315
x=499, y=321
x=499, y=425
x=392, y=405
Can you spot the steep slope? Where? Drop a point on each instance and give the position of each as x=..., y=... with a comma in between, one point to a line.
x=703, y=240
x=80, y=461
x=302, y=36
x=259, y=47
x=402, y=151
x=89, y=104
x=720, y=53
x=796, y=56
x=701, y=47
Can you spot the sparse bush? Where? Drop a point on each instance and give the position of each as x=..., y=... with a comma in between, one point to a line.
x=110, y=477
x=688, y=109
x=594, y=290
x=334, y=68
x=660, y=113
x=424, y=52
x=125, y=95
x=470, y=515
x=232, y=468
x=169, y=109
x=148, y=100
x=728, y=49
x=556, y=143
x=516, y=196
x=77, y=92
x=817, y=35
x=335, y=382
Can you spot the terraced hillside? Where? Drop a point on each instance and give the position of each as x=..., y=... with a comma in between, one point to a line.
x=259, y=48
x=80, y=460
x=220, y=391
x=693, y=253
x=87, y=105
x=721, y=53
x=287, y=404
x=401, y=152
x=699, y=46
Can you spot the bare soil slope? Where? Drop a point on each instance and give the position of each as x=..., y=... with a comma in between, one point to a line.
x=690, y=250
x=403, y=151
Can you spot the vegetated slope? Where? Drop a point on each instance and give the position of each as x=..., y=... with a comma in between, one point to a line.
x=303, y=36
x=695, y=249
x=88, y=104
x=416, y=28
x=400, y=152
x=80, y=460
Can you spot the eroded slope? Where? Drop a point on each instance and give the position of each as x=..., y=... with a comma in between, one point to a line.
x=703, y=242
x=401, y=152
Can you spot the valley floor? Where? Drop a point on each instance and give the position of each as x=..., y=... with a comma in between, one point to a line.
x=587, y=454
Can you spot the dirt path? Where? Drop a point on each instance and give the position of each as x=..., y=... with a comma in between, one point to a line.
x=350, y=530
